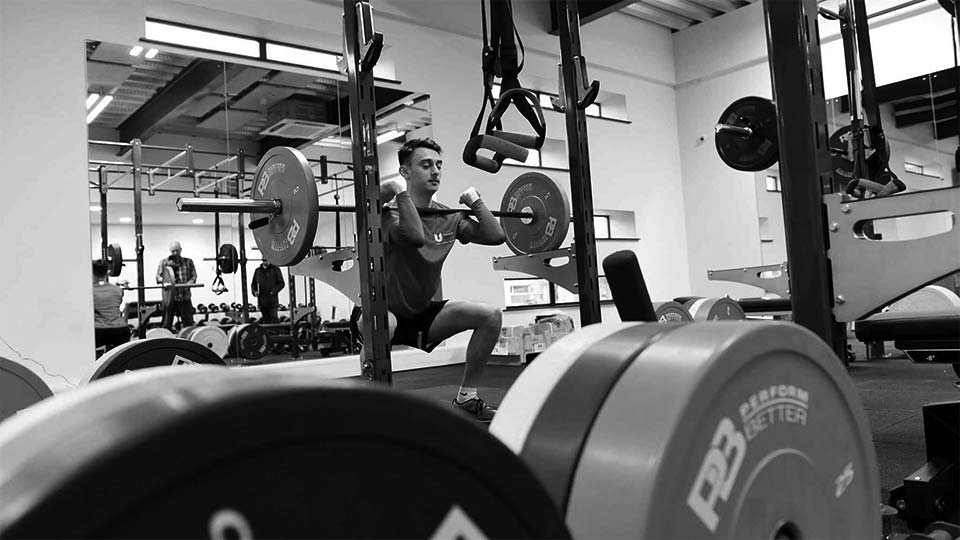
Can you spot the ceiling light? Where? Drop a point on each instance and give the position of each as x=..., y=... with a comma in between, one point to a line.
x=91, y=99
x=390, y=135
x=94, y=207
x=197, y=221
x=152, y=53
x=99, y=108
x=332, y=142
x=201, y=39
x=125, y=219
x=136, y=50
x=301, y=57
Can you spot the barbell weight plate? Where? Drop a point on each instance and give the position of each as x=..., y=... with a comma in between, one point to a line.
x=757, y=152
x=931, y=298
x=211, y=337
x=284, y=174
x=715, y=309
x=720, y=430
x=155, y=333
x=668, y=312
x=758, y=429
x=560, y=425
x=20, y=388
x=184, y=332
x=538, y=193
x=148, y=353
x=228, y=259
x=165, y=441
x=114, y=255
x=248, y=341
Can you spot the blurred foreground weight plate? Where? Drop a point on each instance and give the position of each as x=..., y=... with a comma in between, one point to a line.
x=147, y=353
x=719, y=430
x=211, y=337
x=285, y=175
x=538, y=193
x=668, y=312
x=165, y=441
x=19, y=388
x=713, y=309
x=746, y=134
x=248, y=341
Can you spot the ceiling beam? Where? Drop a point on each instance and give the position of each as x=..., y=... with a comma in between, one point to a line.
x=684, y=8
x=945, y=128
x=725, y=6
x=652, y=14
x=922, y=117
x=921, y=102
x=590, y=10
x=150, y=116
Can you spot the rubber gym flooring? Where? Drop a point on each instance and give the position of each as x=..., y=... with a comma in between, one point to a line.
x=892, y=391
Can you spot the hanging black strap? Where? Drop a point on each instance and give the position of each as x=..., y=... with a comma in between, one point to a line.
x=501, y=57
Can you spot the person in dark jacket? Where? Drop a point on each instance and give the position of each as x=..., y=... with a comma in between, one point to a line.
x=267, y=282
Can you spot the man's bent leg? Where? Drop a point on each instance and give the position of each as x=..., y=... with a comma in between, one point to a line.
x=484, y=319
x=391, y=328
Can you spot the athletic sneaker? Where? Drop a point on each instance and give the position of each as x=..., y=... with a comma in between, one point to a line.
x=478, y=408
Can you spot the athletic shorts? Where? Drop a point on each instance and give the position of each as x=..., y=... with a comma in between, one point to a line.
x=412, y=331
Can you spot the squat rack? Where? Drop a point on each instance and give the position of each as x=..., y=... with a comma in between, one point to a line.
x=836, y=273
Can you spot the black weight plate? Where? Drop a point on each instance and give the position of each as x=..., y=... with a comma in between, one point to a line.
x=228, y=259
x=198, y=452
x=148, y=353
x=668, y=312
x=538, y=193
x=284, y=174
x=249, y=341
x=19, y=388
x=759, y=151
x=561, y=424
x=114, y=255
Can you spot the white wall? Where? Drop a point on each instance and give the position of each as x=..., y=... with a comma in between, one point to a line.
x=635, y=166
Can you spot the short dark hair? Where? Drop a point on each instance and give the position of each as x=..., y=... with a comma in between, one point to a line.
x=100, y=268
x=406, y=150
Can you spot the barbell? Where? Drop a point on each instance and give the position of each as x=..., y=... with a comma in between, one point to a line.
x=746, y=135
x=534, y=212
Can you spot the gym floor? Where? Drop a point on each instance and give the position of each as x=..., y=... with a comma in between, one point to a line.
x=892, y=390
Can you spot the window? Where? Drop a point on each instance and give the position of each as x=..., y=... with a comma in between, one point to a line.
x=593, y=110
x=521, y=292
x=773, y=184
x=526, y=292
x=601, y=226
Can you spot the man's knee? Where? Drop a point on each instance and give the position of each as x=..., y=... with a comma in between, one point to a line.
x=391, y=324
x=490, y=317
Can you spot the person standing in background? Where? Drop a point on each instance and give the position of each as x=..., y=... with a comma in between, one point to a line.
x=176, y=270
x=266, y=284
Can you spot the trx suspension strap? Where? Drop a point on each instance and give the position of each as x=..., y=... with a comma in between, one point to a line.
x=501, y=58
x=869, y=174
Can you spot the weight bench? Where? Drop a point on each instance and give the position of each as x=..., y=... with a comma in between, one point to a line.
x=932, y=337
x=777, y=307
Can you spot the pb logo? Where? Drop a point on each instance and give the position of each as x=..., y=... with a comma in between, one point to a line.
x=718, y=473
x=293, y=232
